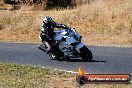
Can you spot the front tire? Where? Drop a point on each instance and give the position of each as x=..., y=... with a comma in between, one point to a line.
x=86, y=54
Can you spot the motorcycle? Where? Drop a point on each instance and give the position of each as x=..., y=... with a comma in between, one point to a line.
x=68, y=44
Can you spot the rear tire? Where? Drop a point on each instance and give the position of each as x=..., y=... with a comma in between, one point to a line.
x=86, y=54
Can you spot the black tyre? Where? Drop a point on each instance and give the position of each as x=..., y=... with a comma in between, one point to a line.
x=86, y=54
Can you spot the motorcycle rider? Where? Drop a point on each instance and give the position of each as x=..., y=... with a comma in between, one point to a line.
x=47, y=31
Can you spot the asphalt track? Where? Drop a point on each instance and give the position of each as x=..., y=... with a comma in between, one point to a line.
x=112, y=60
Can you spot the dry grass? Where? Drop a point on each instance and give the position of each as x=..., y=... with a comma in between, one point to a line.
x=22, y=76
x=102, y=22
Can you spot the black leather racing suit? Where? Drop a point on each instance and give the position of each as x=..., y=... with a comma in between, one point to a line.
x=47, y=33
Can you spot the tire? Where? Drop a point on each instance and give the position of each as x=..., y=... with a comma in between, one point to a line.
x=86, y=54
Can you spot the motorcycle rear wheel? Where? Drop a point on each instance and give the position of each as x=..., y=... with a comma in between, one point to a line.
x=86, y=54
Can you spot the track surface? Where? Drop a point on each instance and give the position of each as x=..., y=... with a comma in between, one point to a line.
x=106, y=59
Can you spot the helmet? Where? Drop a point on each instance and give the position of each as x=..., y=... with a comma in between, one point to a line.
x=47, y=19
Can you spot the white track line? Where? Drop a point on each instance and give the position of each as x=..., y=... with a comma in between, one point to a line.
x=61, y=70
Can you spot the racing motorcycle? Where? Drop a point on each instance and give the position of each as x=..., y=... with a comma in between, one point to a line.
x=68, y=45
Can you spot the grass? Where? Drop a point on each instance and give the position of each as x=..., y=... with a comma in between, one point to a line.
x=19, y=76
x=25, y=76
x=101, y=22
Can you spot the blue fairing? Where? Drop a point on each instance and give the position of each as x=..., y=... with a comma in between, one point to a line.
x=66, y=33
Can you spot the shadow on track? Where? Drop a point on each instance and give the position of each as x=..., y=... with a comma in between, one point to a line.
x=79, y=60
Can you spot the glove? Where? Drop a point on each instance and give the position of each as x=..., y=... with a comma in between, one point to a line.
x=64, y=26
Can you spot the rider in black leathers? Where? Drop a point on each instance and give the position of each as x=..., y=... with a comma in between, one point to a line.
x=47, y=31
